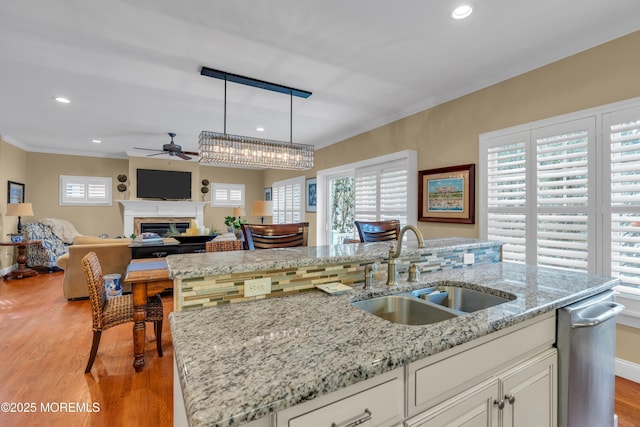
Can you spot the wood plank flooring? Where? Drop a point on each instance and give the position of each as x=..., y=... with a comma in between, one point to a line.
x=44, y=346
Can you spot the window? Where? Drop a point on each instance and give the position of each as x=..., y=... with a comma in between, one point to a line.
x=376, y=189
x=227, y=195
x=288, y=202
x=85, y=190
x=565, y=192
x=381, y=192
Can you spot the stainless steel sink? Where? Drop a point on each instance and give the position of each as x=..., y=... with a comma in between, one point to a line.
x=404, y=309
x=460, y=299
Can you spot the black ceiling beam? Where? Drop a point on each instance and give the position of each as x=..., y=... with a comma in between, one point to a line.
x=248, y=81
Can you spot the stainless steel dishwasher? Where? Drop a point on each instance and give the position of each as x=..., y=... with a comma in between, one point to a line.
x=586, y=361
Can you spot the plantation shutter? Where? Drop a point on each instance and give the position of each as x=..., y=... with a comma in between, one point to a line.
x=381, y=192
x=85, y=190
x=622, y=141
x=565, y=209
x=227, y=195
x=506, y=160
x=287, y=201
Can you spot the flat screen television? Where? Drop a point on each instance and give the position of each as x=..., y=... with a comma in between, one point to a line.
x=164, y=185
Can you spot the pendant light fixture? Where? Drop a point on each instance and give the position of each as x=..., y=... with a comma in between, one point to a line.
x=223, y=149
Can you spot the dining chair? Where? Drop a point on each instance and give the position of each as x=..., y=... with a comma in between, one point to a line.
x=114, y=311
x=223, y=245
x=378, y=231
x=267, y=236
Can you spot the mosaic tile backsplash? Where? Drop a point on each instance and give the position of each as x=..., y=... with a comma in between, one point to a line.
x=301, y=269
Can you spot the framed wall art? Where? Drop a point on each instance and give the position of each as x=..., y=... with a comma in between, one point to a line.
x=311, y=193
x=447, y=194
x=267, y=194
x=15, y=192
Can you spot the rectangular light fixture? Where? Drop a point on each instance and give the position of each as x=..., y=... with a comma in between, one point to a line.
x=223, y=149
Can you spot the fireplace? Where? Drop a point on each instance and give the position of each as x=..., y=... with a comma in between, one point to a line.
x=137, y=212
x=161, y=228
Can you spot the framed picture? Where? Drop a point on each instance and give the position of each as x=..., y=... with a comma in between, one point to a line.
x=447, y=194
x=267, y=194
x=15, y=192
x=312, y=195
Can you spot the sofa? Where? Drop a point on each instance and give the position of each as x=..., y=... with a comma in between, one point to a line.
x=114, y=256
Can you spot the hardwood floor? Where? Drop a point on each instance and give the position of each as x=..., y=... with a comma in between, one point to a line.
x=44, y=346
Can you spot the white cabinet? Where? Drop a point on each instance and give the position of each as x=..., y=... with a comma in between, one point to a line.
x=473, y=408
x=522, y=396
x=375, y=402
x=529, y=393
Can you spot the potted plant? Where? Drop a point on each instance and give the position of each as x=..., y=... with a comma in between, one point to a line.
x=233, y=225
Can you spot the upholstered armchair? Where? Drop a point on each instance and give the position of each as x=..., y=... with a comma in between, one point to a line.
x=52, y=247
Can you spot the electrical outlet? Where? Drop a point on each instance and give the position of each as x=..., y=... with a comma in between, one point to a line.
x=255, y=287
x=469, y=258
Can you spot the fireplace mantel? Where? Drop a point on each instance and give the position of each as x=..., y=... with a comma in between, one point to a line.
x=159, y=208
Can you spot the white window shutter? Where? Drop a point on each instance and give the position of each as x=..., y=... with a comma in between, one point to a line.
x=227, y=195
x=623, y=146
x=564, y=208
x=287, y=201
x=381, y=192
x=85, y=191
x=506, y=165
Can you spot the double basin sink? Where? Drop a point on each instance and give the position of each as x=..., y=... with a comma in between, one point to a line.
x=438, y=302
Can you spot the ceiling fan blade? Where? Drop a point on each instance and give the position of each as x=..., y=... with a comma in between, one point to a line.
x=156, y=154
x=147, y=149
x=182, y=155
x=192, y=153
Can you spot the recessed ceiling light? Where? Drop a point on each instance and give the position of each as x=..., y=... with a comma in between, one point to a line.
x=260, y=129
x=96, y=141
x=62, y=99
x=462, y=11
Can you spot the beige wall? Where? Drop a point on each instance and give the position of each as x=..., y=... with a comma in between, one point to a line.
x=43, y=188
x=628, y=343
x=13, y=167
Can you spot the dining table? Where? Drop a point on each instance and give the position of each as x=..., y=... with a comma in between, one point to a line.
x=147, y=276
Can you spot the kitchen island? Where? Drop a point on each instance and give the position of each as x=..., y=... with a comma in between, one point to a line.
x=243, y=362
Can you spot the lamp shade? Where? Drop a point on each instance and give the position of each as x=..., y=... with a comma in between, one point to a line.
x=19, y=209
x=262, y=208
x=239, y=212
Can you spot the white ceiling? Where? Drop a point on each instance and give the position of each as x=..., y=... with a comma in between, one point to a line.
x=132, y=67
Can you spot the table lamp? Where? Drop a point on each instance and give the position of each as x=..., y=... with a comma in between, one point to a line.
x=262, y=208
x=19, y=210
x=238, y=212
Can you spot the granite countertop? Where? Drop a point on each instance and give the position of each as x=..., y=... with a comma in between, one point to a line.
x=239, y=362
x=215, y=263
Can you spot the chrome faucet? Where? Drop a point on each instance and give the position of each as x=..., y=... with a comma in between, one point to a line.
x=395, y=253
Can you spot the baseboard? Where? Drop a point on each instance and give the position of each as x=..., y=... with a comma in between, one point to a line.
x=628, y=370
x=8, y=270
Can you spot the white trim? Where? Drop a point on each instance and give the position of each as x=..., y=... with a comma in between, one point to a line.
x=628, y=370
x=630, y=298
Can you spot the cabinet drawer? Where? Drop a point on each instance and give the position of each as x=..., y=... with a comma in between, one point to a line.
x=380, y=404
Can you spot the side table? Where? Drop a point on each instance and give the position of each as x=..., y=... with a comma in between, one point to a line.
x=22, y=270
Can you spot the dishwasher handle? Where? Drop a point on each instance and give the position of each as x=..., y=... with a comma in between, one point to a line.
x=583, y=320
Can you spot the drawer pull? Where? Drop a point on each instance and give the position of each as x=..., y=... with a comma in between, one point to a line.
x=159, y=254
x=498, y=403
x=510, y=398
x=355, y=421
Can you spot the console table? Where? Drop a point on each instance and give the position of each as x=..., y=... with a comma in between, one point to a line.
x=22, y=270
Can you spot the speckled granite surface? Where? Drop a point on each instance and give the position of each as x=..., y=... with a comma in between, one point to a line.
x=240, y=362
x=216, y=263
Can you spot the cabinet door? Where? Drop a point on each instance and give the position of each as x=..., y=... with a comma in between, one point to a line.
x=529, y=393
x=474, y=408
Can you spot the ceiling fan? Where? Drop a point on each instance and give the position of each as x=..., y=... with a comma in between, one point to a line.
x=172, y=149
